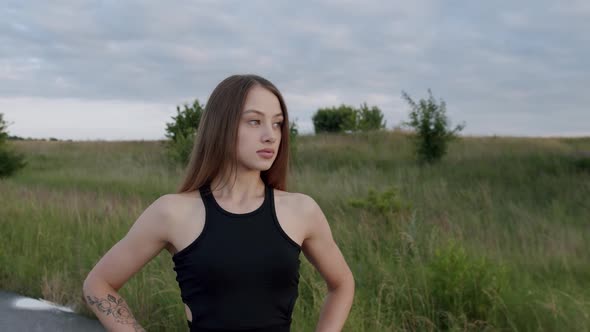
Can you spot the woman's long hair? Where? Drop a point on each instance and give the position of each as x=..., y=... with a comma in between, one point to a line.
x=214, y=151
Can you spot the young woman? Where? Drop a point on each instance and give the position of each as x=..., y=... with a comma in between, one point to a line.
x=235, y=234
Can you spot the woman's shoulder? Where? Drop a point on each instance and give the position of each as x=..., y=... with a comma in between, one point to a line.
x=288, y=195
x=176, y=205
x=298, y=201
x=180, y=200
x=176, y=210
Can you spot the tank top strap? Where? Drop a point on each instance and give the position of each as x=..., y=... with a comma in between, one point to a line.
x=267, y=196
x=205, y=191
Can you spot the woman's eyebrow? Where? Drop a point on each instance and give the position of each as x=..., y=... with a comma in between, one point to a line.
x=257, y=111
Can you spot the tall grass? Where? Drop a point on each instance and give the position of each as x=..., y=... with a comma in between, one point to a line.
x=496, y=237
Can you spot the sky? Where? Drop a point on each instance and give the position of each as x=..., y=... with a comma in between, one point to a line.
x=117, y=70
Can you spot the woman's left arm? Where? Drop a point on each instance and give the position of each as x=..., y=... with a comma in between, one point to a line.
x=323, y=253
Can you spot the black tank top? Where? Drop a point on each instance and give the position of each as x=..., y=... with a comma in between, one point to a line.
x=242, y=272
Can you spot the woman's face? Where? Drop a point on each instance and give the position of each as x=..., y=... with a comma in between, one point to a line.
x=260, y=128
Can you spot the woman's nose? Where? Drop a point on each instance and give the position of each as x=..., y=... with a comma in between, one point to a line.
x=270, y=134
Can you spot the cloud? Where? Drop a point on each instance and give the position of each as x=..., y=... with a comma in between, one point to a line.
x=485, y=59
x=68, y=118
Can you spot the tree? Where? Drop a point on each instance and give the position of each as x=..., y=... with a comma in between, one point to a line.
x=345, y=118
x=293, y=139
x=181, y=132
x=334, y=119
x=370, y=119
x=10, y=161
x=3, y=132
x=431, y=125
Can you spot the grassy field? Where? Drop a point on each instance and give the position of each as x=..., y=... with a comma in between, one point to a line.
x=494, y=238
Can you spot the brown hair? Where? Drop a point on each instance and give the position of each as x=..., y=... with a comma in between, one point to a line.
x=214, y=150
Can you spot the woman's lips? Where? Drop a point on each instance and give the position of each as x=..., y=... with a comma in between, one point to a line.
x=265, y=154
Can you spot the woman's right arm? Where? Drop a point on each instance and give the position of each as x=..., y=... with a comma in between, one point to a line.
x=145, y=240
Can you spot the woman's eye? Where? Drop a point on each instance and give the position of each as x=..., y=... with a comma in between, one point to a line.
x=258, y=121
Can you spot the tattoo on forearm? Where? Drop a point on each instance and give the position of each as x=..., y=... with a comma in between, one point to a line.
x=116, y=308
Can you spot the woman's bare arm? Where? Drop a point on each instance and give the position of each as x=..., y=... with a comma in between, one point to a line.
x=323, y=253
x=110, y=308
x=145, y=240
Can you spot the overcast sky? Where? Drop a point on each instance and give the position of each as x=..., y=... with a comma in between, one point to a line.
x=117, y=69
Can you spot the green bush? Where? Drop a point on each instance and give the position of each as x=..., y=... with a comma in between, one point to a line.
x=293, y=134
x=370, y=118
x=10, y=161
x=347, y=118
x=430, y=123
x=334, y=119
x=386, y=202
x=3, y=132
x=181, y=132
x=464, y=287
x=581, y=161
